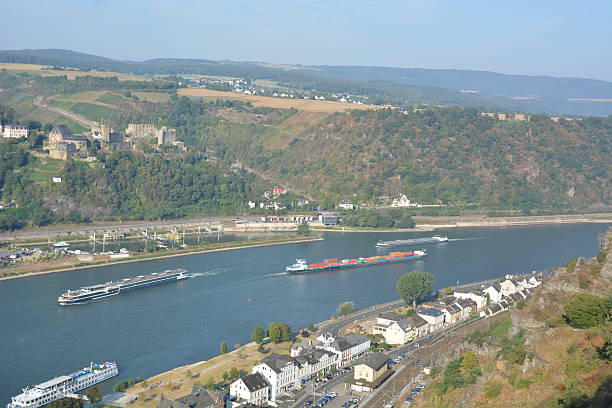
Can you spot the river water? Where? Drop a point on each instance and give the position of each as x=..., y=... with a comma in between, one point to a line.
x=156, y=329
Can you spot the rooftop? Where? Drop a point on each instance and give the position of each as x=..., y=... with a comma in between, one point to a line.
x=278, y=361
x=429, y=312
x=254, y=382
x=61, y=129
x=375, y=360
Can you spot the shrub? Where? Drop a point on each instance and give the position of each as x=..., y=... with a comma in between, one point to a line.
x=555, y=321
x=586, y=310
x=571, y=264
x=433, y=373
x=493, y=389
x=601, y=256
x=523, y=383
x=584, y=283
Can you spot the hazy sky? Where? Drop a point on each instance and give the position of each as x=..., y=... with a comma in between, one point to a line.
x=559, y=38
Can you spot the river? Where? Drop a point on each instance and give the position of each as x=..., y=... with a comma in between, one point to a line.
x=156, y=329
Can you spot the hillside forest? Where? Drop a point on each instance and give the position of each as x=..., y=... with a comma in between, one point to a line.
x=453, y=157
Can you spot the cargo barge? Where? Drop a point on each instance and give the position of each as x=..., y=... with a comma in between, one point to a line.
x=87, y=293
x=415, y=241
x=301, y=266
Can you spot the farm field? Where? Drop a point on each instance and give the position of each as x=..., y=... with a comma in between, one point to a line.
x=153, y=97
x=42, y=70
x=43, y=169
x=111, y=98
x=89, y=96
x=278, y=103
x=91, y=111
x=47, y=116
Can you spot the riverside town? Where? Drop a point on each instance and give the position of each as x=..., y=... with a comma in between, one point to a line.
x=307, y=205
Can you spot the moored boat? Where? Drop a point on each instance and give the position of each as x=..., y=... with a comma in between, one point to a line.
x=61, y=244
x=63, y=386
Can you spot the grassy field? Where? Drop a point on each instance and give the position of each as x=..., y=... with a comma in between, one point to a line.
x=179, y=381
x=62, y=103
x=42, y=70
x=41, y=170
x=111, y=98
x=154, y=97
x=278, y=103
x=499, y=328
x=89, y=96
x=72, y=125
x=92, y=111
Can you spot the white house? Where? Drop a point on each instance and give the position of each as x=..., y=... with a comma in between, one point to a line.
x=315, y=361
x=347, y=205
x=400, y=332
x=251, y=204
x=13, y=131
x=403, y=201
x=434, y=317
x=467, y=306
x=509, y=287
x=534, y=282
x=494, y=291
x=280, y=371
x=250, y=389
x=476, y=296
x=348, y=348
x=383, y=322
x=452, y=313
x=284, y=373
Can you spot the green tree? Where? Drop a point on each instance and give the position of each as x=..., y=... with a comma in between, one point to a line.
x=258, y=334
x=278, y=332
x=345, y=308
x=303, y=228
x=66, y=403
x=413, y=286
x=8, y=222
x=223, y=348
x=94, y=394
x=585, y=310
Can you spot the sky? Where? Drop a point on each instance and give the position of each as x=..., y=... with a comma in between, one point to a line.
x=535, y=37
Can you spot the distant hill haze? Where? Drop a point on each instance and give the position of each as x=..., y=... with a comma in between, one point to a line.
x=477, y=89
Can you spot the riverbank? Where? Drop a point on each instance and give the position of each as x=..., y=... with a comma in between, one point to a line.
x=73, y=263
x=434, y=223
x=177, y=382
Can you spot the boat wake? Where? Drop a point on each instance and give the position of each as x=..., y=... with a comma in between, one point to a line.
x=274, y=274
x=465, y=239
x=211, y=272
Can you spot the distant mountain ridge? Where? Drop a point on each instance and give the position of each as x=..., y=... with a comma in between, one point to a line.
x=483, y=81
x=478, y=89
